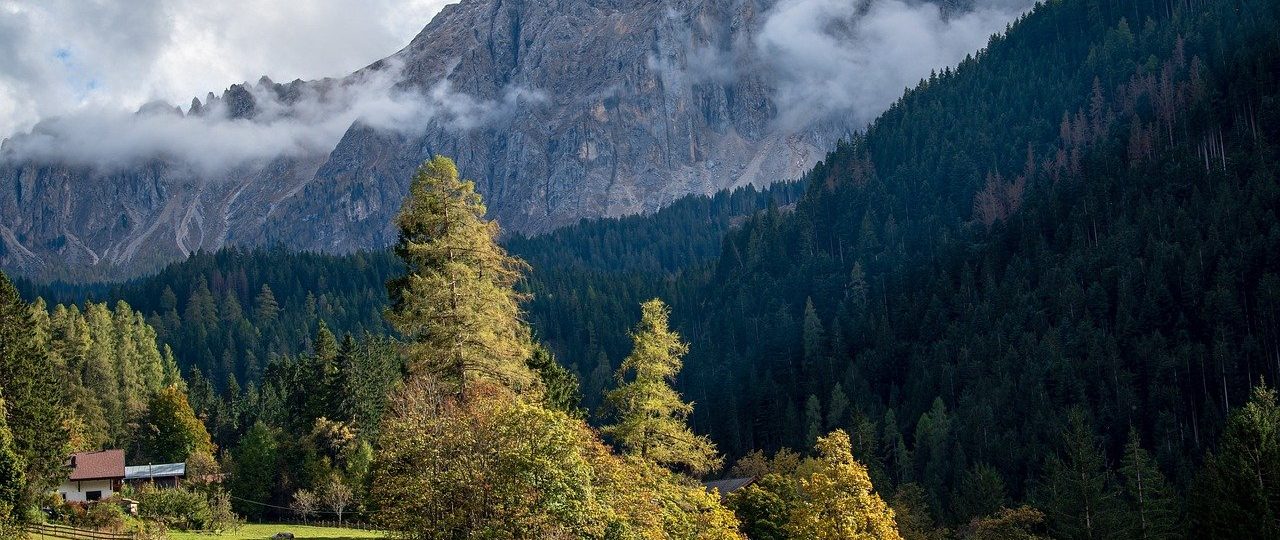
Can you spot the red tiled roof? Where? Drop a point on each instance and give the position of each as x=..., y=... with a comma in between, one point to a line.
x=97, y=465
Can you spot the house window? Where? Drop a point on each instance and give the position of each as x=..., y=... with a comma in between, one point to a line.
x=93, y=496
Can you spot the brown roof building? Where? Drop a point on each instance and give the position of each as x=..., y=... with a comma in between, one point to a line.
x=107, y=464
x=94, y=475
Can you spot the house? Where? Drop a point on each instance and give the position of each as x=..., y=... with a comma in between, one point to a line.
x=94, y=476
x=165, y=475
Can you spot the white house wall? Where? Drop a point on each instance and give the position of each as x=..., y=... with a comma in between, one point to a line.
x=74, y=491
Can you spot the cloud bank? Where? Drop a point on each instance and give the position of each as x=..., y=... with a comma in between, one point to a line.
x=60, y=56
x=851, y=59
x=303, y=118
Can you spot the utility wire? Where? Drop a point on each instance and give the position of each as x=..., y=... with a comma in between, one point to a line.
x=268, y=505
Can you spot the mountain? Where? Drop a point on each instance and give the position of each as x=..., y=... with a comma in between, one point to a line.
x=560, y=110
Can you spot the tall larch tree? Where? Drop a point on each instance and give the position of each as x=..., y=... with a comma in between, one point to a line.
x=456, y=304
x=650, y=416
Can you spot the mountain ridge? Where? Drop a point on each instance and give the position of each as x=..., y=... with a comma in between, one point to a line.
x=553, y=127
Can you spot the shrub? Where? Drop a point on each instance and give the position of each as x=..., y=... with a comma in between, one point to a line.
x=103, y=516
x=221, y=517
x=174, y=508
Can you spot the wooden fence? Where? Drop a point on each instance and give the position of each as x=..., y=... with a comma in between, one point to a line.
x=46, y=530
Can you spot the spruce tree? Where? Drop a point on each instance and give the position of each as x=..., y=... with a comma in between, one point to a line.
x=812, y=420
x=649, y=414
x=560, y=386
x=814, y=337
x=456, y=305
x=1237, y=494
x=266, y=307
x=837, y=408
x=35, y=397
x=1154, y=512
x=12, y=478
x=1077, y=493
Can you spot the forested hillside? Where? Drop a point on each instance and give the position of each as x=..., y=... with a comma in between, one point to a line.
x=1080, y=221
x=227, y=314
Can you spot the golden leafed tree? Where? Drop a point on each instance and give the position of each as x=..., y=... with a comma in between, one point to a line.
x=650, y=416
x=456, y=304
x=836, y=499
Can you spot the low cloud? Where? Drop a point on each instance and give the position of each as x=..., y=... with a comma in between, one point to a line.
x=851, y=59
x=310, y=118
x=58, y=56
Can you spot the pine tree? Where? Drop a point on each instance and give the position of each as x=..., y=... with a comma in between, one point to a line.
x=650, y=417
x=456, y=305
x=1153, y=503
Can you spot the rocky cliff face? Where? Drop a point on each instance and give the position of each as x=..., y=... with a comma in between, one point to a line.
x=559, y=109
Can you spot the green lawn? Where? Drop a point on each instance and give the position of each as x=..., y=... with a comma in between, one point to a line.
x=263, y=532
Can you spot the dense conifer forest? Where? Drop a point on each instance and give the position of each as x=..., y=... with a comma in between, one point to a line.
x=1039, y=296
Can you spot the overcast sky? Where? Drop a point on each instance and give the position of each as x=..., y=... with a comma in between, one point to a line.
x=58, y=56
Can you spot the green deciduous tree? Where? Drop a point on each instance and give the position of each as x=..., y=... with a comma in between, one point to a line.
x=486, y=467
x=170, y=431
x=649, y=414
x=1022, y=523
x=254, y=465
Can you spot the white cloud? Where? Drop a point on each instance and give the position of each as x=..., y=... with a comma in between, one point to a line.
x=851, y=59
x=213, y=142
x=62, y=56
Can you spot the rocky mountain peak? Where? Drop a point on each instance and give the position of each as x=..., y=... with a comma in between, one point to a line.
x=559, y=110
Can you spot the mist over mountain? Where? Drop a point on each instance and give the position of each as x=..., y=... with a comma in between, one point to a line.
x=559, y=111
